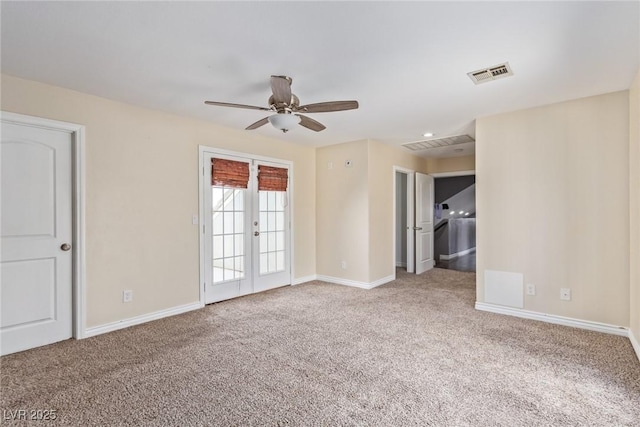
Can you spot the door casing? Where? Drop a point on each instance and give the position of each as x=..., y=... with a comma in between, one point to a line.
x=203, y=172
x=78, y=208
x=410, y=217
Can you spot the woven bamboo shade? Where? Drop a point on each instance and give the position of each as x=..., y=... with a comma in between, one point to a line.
x=272, y=179
x=229, y=173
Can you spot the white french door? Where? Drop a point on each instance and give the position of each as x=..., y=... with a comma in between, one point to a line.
x=245, y=234
x=270, y=237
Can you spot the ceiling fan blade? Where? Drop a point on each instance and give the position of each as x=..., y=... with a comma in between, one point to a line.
x=326, y=107
x=309, y=123
x=228, y=104
x=281, y=88
x=257, y=124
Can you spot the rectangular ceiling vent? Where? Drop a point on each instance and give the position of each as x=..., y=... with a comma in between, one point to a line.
x=440, y=142
x=490, y=74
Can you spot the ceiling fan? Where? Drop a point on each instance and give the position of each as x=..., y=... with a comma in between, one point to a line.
x=287, y=106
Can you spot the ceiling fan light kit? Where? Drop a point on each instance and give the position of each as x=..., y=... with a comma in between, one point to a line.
x=286, y=105
x=284, y=122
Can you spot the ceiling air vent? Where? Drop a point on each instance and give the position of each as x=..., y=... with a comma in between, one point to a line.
x=440, y=142
x=489, y=74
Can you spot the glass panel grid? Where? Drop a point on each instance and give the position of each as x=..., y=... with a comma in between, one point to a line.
x=272, y=231
x=227, y=212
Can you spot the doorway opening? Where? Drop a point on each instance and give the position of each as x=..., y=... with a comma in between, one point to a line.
x=455, y=222
x=413, y=220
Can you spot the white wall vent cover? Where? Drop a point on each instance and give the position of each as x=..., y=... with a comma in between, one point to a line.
x=440, y=142
x=490, y=74
x=504, y=288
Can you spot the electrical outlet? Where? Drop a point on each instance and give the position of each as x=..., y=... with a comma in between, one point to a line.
x=344, y=265
x=531, y=289
x=565, y=294
x=127, y=296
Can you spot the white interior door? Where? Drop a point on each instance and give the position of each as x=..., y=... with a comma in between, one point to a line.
x=36, y=260
x=246, y=235
x=424, y=223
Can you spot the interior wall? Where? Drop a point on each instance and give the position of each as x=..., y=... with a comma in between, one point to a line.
x=462, y=235
x=401, y=219
x=142, y=190
x=553, y=203
x=450, y=186
x=451, y=164
x=634, y=208
x=342, y=195
x=382, y=159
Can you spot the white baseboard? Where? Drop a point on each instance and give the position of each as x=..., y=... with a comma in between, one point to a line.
x=304, y=279
x=457, y=254
x=552, y=318
x=634, y=343
x=401, y=264
x=356, y=284
x=121, y=324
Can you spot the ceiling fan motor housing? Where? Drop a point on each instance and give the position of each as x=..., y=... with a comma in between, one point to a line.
x=282, y=107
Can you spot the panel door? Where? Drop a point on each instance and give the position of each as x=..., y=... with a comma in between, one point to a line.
x=424, y=223
x=36, y=227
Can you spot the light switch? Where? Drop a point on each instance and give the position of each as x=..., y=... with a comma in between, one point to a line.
x=194, y=220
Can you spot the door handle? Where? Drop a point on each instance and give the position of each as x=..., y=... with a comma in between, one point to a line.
x=256, y=233
x=65, y=247
x=417, y=228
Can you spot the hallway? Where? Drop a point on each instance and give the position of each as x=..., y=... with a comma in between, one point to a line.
x=461, y=263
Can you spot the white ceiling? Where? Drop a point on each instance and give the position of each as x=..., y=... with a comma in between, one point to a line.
x=405, y=62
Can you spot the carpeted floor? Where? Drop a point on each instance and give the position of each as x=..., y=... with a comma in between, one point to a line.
x=412, y=352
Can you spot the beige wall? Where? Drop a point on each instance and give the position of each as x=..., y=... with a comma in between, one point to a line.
x=355, y=208
x=342, y=211
x=553, y=203
x=141, y=191
x=382, y=159
x=634, y=202
x=452, y=164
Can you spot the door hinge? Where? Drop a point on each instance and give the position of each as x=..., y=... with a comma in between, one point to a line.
x=202, y=228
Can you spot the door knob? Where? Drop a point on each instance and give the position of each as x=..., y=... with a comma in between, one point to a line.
x=65, y=247
x=417, y=228
x=256, y=233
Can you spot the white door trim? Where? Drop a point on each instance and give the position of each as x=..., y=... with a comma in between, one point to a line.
x=78, y=193
x=202, y=149
x=411, y=258
x=450, y=174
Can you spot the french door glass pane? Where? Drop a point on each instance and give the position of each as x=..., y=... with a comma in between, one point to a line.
x=228, y=233
x=272, y=231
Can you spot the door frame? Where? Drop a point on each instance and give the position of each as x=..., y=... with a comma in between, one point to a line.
x=411, y=257
x=78, y=269
x=202, y=149
x=449, y=175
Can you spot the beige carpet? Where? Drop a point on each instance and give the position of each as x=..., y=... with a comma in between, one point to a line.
x=410, y=353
